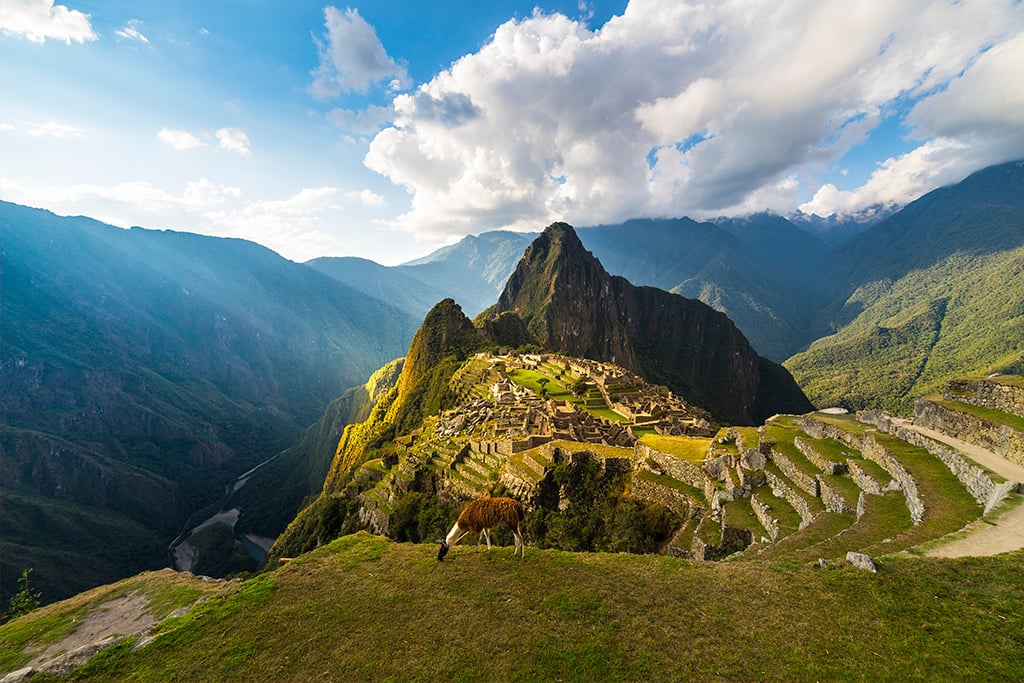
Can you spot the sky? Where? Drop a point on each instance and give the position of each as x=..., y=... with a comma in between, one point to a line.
x=387, y=129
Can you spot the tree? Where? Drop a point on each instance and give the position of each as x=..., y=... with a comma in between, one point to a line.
x=24, y=601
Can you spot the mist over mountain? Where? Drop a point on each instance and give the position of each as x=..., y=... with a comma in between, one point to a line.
x=144, y=370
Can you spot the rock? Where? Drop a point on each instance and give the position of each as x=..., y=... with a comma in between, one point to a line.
x=19, y=675
x=861, y=561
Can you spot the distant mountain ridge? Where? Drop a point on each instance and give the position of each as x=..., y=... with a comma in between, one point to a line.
x=936, y=290
x=144, y=370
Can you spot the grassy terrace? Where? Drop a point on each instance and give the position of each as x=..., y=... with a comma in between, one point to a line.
x=738, y=513
x=780, y=509
x=884, y=517
x=812, y=501
x=998, y=417
x=693, y=492
x=751, y=436
x=830, y=449
x=948, y=505
x=364, y=608
x=848, y=423
x=689, y=448
x=794, y=546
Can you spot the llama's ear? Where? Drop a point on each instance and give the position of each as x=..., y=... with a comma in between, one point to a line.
x=442, y=551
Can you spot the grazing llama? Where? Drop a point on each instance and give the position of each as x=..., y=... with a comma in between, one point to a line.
x=482, y=515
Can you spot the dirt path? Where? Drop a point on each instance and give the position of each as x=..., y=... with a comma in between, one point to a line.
x=987, y=538
x=984, y=536
x=126, y=615
x=994, y=462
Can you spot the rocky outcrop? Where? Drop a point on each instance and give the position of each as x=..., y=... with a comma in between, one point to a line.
x=571, y=304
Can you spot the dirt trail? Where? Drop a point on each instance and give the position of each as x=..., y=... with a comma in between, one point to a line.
x=984, y=536
x=126, y=615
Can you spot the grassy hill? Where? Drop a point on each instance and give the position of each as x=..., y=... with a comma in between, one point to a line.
x=365, y=608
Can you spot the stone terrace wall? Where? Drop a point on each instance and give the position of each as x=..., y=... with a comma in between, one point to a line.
x=976, y=480
x=987, y=394
x=880, y=454
x=999, y=439
x=677, y=468
x=823, y=430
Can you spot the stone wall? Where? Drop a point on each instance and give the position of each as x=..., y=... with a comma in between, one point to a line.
x=878, y=453
x=783, y=490
x=976, y=480
x=805, y=481
x=862, y=479
x=763, y=513
x=823, y=430
x=674, y=499
x=821, y=462
x=834, y=500
x=987, y=394
x=677, y=468
x=999, y=439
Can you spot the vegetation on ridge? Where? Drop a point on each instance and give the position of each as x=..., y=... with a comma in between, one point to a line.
x=365, y=608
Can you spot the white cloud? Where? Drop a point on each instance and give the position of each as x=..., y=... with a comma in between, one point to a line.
x=366, y=197
x=39, y=20
x=680, y=108
x=234, y=140
x=131, y=31
x=53, y=129
x=352, y=57
x=179, y=139
x=977, y=121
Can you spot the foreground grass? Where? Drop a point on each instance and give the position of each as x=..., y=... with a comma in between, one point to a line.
x=364, y=608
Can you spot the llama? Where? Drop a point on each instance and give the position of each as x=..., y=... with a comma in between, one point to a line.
x=482, y=515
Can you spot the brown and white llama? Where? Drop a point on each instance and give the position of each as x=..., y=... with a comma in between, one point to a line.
x=482, y=515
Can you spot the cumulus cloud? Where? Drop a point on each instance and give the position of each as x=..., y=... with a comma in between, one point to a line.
x=40, y=20
x=679, y=108
x=352, y=58
x=234, y=140
x=131, y=31
x=179, y=139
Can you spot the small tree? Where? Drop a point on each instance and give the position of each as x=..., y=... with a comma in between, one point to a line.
x=24, y=601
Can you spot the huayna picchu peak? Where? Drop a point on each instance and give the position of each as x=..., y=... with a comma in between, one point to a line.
x=570, y=304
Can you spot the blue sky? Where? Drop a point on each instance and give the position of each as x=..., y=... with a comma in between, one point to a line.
x=388, y=129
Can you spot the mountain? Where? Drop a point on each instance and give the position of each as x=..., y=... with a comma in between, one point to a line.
x=143, y=371
x=443, y=342
x=396, y=286
x=755, y=270
x=473, y=270
x=935, y=290
x=571, y=305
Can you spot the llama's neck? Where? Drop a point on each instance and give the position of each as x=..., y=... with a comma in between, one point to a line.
x=454, y=534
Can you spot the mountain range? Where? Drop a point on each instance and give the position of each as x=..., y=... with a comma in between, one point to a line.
x=145, y=371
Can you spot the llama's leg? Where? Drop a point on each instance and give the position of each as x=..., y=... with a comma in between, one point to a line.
x=520, y=543
x=487, y=535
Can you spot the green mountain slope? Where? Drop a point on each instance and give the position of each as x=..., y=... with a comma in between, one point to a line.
x=934, y=291
x=145, y=370
x=364, y=608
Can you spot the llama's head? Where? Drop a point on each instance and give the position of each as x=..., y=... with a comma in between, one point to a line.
x=443, y=550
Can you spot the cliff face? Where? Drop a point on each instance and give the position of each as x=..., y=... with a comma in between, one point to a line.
x=572, y=305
